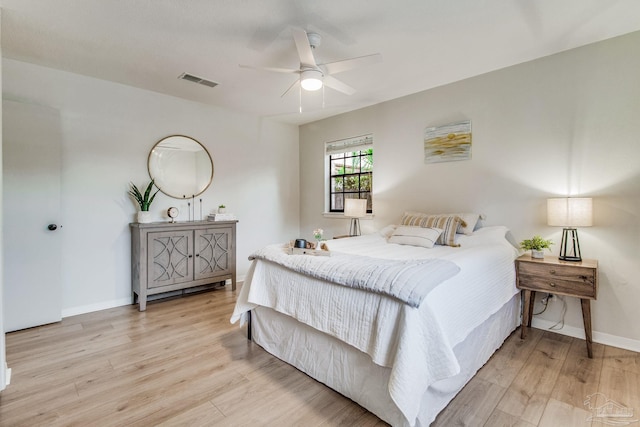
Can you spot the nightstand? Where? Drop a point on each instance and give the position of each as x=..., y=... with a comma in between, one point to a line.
x=574, y=279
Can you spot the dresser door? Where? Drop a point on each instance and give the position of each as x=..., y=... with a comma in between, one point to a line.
x=214, y=252
x=170, y=259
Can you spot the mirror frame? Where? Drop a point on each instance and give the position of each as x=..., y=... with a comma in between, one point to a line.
x=159, y=185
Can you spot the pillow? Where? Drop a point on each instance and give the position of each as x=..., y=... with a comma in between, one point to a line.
x=470, y=219
x=387, y=231
x=447, y=223
x=415, y=236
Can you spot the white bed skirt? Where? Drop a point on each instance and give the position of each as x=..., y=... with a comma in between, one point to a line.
x=353, y=374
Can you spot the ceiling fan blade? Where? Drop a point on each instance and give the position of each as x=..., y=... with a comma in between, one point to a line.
x=349, y=64
x=304, y=48
x=272, y=69
x=336, y=84
x=295, y=84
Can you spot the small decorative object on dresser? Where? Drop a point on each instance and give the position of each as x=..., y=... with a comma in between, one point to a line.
x=536, y=245
x=222, y=209
x=173, y=213
x=144, y=200
x=552, y=275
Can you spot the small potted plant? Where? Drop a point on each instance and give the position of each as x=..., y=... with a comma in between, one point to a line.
x=222, y=209
x=536, y=245
x=144, y=200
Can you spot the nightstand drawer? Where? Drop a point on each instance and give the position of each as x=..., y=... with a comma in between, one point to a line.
x=563, y=279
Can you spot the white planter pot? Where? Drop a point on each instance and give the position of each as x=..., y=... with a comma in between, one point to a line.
x=144, y=217
x=222, y=210
x=537, y=254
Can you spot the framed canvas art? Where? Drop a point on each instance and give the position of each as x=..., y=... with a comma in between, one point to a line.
x=448, y=143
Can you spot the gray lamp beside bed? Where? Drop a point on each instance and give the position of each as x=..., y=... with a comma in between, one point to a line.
x=355, y=209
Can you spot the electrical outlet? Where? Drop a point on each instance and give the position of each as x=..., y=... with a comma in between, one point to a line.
x=546, y=300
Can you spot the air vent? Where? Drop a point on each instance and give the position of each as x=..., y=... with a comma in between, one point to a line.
x=196, y=79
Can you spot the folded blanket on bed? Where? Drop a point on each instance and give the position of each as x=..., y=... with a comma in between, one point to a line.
x=409, y=281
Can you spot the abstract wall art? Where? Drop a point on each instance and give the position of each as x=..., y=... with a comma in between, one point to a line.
x=448, y=143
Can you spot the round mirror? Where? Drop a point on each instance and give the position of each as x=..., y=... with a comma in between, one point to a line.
x=180, y=166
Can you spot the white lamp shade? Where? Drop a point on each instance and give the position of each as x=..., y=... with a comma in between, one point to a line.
x=355, y=208
x=570, y=212
x=311, y=80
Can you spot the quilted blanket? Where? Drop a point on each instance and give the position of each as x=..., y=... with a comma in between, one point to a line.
x=409, y=281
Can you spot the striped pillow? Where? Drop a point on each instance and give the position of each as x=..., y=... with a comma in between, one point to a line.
x=447, y=223
x=415, y=236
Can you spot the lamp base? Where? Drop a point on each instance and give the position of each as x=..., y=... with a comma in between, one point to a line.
x=570, y=246
x=354, y=230
x=570, y=258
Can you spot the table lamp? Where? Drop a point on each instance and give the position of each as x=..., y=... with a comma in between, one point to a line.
x=569, y=213
x=355, y=209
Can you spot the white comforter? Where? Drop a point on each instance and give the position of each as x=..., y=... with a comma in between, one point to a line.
x=408, y=280
x=416, y=343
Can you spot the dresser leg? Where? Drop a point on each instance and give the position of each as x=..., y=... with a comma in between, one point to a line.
x=142, y=303
x=586, y=318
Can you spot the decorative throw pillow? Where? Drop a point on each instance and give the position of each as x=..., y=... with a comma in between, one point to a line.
x=447, y=223
x=415, y=236
x=387, y=231
x=470, y=219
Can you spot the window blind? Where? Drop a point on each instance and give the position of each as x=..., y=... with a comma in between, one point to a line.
x=357, y=143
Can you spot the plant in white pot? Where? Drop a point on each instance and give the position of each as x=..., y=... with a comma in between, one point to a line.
x=222, y=209
x=536, y=245
x=144, y=200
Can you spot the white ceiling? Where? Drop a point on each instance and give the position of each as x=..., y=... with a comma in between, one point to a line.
x=424, y=43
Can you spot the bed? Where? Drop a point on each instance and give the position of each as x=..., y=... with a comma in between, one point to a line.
x=403, y=359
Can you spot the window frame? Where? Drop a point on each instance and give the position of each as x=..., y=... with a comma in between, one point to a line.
x=349, y=148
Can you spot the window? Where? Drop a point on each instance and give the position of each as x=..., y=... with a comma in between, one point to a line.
x=350, y=171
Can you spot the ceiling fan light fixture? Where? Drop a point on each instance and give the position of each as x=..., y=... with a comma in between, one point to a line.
x=311, y=80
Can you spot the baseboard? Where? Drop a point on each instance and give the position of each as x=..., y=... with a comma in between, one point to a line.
x=105, y=305
x=90, y=308
x=7, y=375
x=599, y=337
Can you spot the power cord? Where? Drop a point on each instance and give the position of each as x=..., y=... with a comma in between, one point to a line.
x=545, y=302
x=564, y=311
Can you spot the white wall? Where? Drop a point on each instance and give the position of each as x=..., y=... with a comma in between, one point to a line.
x=565, y=124
x=108, y=130
x=2, y=340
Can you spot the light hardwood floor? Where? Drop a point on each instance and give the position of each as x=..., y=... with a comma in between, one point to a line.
x=182, y=363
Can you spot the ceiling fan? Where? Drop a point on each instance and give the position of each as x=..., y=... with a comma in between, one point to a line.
x=312, y=75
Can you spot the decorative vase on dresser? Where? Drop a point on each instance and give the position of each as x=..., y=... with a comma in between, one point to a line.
x=168, y=257
x=144, y=217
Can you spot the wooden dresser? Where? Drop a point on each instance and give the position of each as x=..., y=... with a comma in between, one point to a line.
x=168, y=256
x=550, y=275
